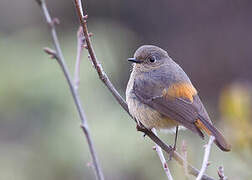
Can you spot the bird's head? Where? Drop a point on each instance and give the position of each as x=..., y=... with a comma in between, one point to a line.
x=148, y=57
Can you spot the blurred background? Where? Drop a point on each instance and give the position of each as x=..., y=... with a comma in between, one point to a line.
x=40, y=137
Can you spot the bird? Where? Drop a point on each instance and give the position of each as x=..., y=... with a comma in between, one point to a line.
x=160, y=95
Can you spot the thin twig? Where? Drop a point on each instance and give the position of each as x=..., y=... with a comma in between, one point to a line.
x=162, y=158
x=60, y=59
x=96, y=63
x=206, y=157
x=80, y=46
x=104, y=78
x=184, y=154
x=221, y=173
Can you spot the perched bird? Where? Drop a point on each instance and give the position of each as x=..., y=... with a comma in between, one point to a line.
x=160, y=95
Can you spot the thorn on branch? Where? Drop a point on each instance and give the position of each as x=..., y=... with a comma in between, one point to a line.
x=90, y=34
x=209, y=163
x=56, y=21
x=82, y=39
x=85, y=46
x=85, y=18
x=90, y=165
x=51, y=53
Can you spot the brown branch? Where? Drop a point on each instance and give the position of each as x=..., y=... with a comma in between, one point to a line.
x=60, y=59
x=104, y=78
x=96, y=63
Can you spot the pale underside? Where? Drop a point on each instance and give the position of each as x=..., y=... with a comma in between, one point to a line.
x=150, y=118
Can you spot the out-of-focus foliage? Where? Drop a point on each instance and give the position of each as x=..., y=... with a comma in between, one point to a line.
x=40, y=136
x=235, y=106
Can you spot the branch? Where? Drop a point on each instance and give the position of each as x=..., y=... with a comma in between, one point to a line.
x=104, y=78
x=60, y=59
x=96, y=63
x=162, y=158
x=206, y=157
x=80, y=46
x=184, y=154
x=221, y=173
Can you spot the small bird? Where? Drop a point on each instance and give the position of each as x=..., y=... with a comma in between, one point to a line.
x=160, y=95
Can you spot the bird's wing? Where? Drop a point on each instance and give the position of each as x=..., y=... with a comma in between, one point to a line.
x=181, y=103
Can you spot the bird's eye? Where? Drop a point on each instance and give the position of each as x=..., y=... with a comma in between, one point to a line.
x=152, y=59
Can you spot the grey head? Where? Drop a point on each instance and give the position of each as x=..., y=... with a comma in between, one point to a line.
x=149, y=56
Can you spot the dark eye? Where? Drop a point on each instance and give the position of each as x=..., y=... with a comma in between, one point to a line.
x=152, y=59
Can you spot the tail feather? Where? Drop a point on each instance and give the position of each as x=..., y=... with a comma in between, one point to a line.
x=211, y=130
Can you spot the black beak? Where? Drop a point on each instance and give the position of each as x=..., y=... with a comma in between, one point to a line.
x=134, y=60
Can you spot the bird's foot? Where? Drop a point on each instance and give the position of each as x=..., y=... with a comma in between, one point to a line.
x=141, y=128
x=171, y=153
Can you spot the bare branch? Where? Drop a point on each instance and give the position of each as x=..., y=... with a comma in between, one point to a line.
x=96, y=63
x=60, y=59
x=51, y=53
x=80, y=46
x=162, y=159
x=221, y=173
x=184, y=154
x=104, y=78
x=206, y=157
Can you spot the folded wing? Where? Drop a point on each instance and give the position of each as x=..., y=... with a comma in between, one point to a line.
x=181, y=103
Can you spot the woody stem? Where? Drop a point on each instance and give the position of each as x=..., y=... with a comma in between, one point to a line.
x=104, y=78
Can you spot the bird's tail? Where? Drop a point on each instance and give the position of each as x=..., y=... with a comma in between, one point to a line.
x=220, y=141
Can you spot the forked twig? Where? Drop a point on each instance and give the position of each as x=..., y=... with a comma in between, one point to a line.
x=60, y=59
x=206, y=157
x=162, y=158
x=104, y=78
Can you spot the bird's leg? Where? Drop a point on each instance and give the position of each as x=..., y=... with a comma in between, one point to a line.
x=176, y=137
x=175, y=143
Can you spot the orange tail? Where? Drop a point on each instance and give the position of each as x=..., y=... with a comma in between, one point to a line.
x=211, y=130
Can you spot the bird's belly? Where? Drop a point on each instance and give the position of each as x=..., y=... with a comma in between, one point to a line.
x=149, y=117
